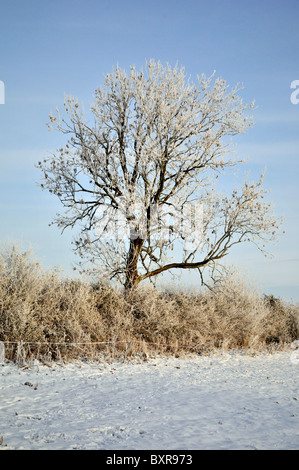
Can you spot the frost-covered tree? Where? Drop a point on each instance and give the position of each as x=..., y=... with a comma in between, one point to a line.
x=138, y=174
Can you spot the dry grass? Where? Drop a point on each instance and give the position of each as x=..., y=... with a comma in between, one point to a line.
x=45, y=317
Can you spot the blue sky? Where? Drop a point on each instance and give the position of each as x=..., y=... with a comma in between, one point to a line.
x=48, y=49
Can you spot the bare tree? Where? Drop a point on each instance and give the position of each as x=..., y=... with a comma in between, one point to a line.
x=152, y=147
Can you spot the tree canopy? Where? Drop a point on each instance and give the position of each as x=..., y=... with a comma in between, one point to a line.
x=138, y=174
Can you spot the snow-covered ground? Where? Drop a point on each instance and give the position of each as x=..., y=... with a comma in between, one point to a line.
x=224, y=401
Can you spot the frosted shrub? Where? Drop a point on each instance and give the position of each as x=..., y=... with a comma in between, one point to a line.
x=44, y=316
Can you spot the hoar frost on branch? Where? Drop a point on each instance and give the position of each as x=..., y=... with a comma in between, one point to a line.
x=151, y=149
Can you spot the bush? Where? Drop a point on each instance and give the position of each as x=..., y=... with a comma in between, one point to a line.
x=42, y=311
x=43, y=316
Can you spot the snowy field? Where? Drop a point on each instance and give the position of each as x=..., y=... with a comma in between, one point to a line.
x=224, y=401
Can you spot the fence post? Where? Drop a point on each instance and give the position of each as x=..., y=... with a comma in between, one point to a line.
x=2, y=352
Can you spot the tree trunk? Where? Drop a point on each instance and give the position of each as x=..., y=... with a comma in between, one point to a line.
x=132, y=278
